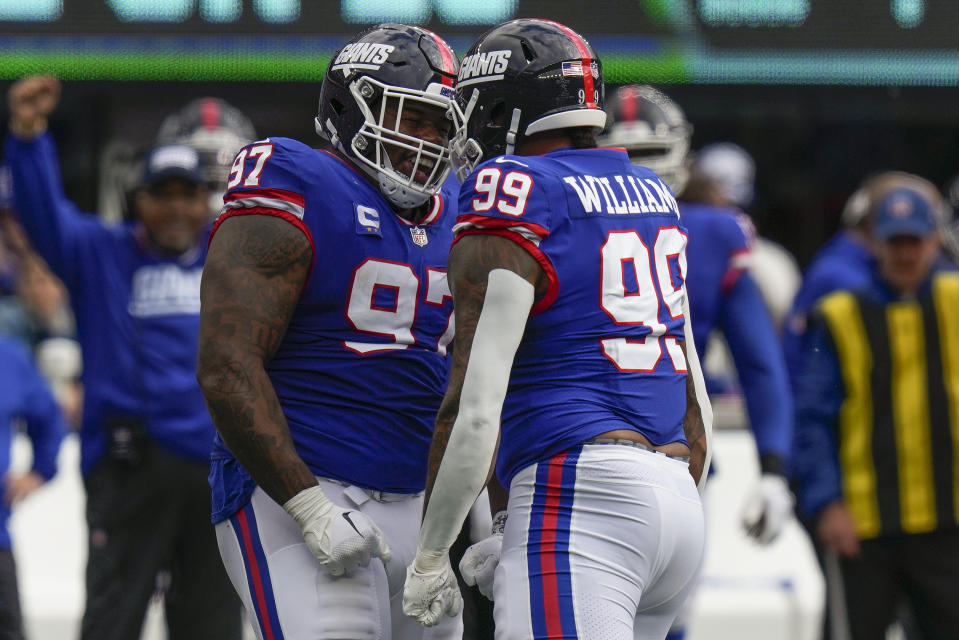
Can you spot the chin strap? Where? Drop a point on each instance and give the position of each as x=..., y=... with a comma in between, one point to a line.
x=470, y=105
x=513, y=129
x=328, y=132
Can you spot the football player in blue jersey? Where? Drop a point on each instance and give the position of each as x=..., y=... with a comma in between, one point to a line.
x=571, y=358
x=723, y=295
x=325, y=320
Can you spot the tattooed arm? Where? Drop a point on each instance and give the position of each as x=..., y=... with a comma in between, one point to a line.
x=470, y=263
x=493, y=281
x=252, y=279
x=694, y=428
x=698, y=421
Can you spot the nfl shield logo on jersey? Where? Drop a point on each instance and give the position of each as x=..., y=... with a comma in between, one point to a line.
x=419, y=236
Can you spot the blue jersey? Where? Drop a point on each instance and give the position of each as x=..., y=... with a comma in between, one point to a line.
x=26, y=397
x=723, y=295
x=719, y=248
x=601, y=349
x=362, y=368
x=137, y=311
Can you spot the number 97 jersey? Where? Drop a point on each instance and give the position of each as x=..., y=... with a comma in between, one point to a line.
x=602, y=347
x=362, y=368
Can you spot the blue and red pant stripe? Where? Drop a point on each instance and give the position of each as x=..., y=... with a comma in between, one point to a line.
x=547, y=551
x=257, y=573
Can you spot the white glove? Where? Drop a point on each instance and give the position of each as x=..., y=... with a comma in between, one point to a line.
x=340, y=539
x=480, y=560
x=768, y=508
x=431, y=588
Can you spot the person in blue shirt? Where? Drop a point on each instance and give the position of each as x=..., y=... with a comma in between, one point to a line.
x=146, y=434
x=876, y=430
x=26, y=397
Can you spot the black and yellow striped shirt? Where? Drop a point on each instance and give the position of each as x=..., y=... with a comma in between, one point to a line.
x=898, y=425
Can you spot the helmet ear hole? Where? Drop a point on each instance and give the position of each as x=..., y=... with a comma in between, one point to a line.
x=528, y=52
x=337, y=106
x=497, y=114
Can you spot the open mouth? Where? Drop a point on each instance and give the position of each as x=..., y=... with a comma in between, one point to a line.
x=420, y=172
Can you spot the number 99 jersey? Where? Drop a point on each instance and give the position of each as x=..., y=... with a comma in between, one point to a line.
x=362, y=368
x=601, y=349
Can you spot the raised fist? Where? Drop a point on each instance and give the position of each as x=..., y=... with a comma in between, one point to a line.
x=31, y=100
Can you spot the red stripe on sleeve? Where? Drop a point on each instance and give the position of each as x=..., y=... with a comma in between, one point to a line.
x=289, y=217
x=499, y=223
x=278, y=194
x=552, y=288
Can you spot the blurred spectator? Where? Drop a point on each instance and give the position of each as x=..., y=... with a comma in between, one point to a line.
x=25, y=400
x=214, y=128
x=34, y=305
x=38, y=309
x=846, y=261
x=146, y=435
x=876, y=431
x=217, y=130
x=35, y=310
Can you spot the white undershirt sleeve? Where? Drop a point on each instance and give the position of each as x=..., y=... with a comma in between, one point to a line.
x=466, y=462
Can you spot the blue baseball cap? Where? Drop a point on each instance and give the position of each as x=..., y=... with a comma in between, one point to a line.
x=904, y=212
x=172, y=161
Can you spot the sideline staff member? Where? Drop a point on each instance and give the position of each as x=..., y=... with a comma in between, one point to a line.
x=146, y=435
x=877, y=430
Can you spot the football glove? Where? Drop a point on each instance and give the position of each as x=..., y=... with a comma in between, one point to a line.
x=340, y=539
x=768, y=508
x=480, y=560
x=431, y=589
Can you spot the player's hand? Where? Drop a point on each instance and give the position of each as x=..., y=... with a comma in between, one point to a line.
x=479, y=563
x=768, y=508
x=17, y=486
x=341, y=539
x=31, y=100
x=480, y=560
x=836, y=529
x=431, y=589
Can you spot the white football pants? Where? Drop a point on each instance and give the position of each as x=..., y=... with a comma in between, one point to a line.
x=603, y=542
x=289, y=596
